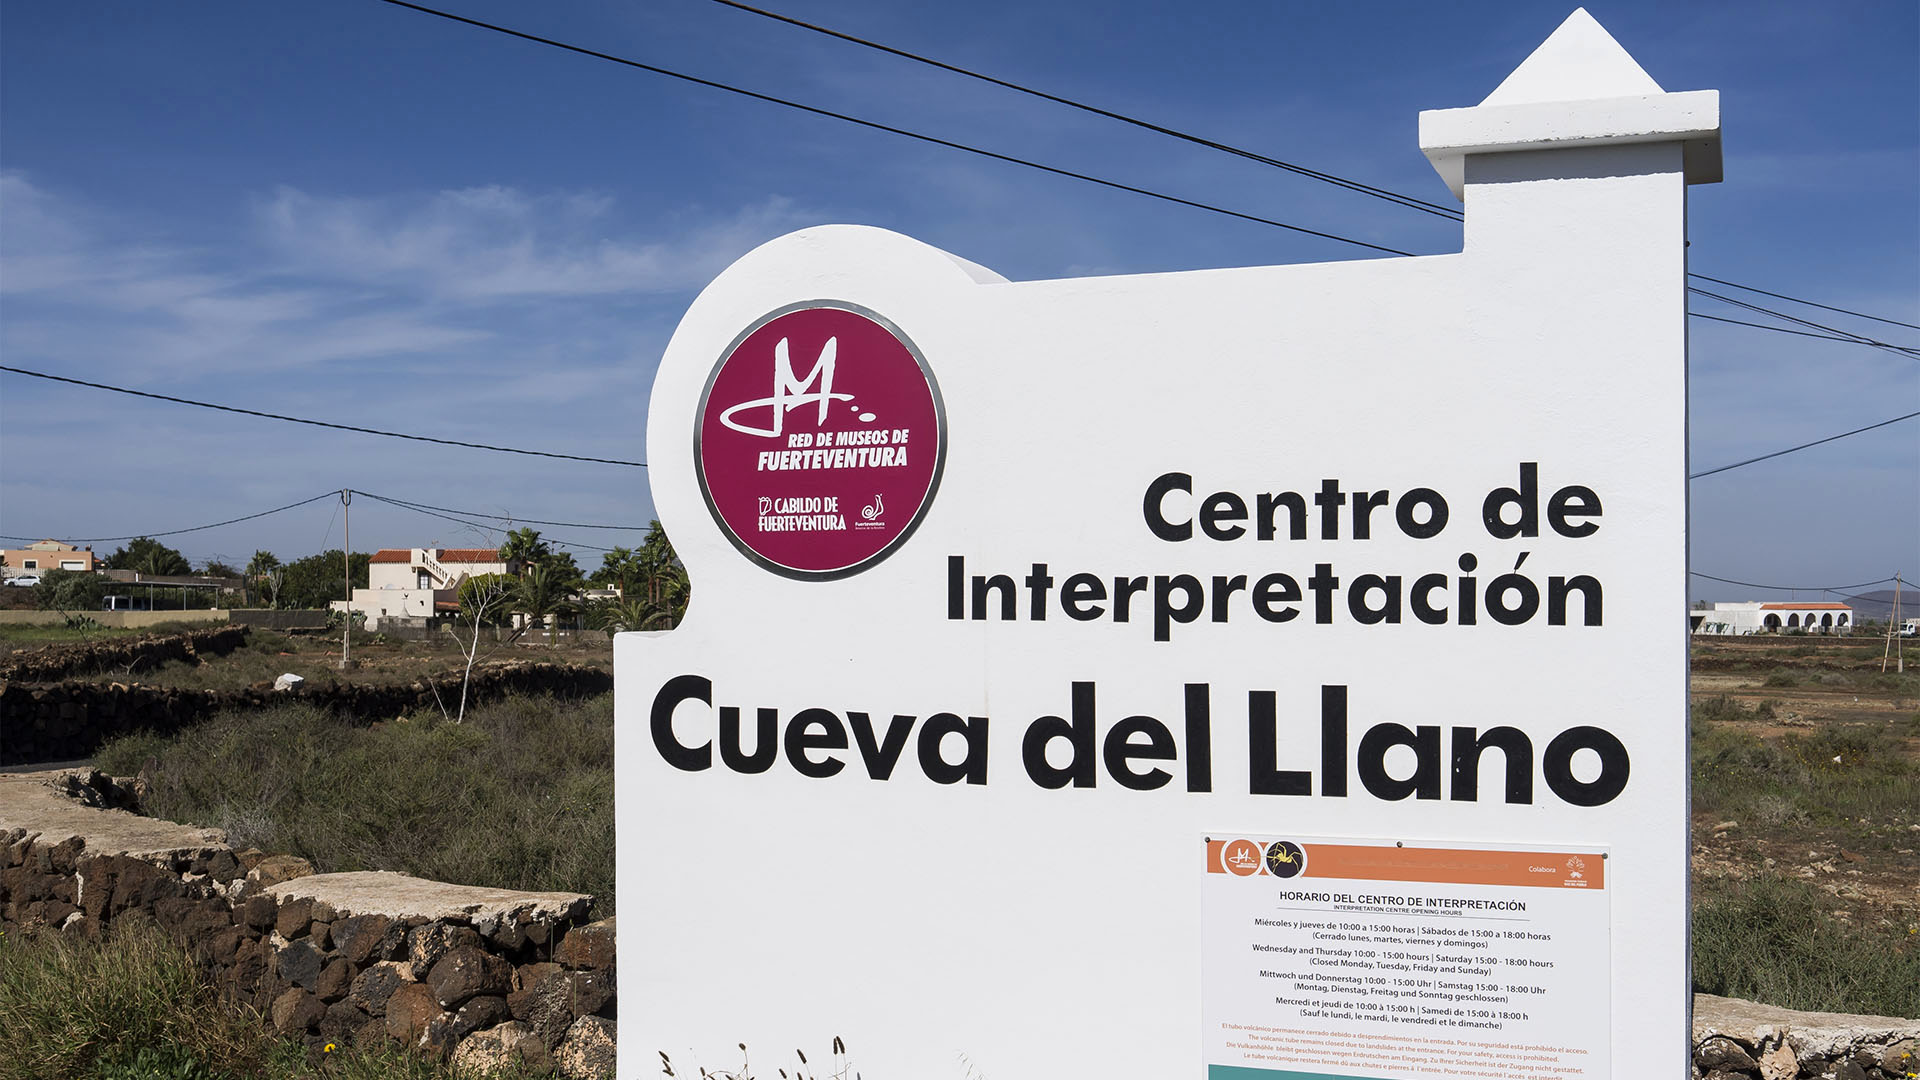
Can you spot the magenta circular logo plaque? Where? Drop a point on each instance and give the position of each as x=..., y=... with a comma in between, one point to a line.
x=821, y=440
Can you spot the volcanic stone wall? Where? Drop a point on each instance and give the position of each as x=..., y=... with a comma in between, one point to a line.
x=68, y=720
x=1743, y=1040
x=279, y=619
x=52, y=662
x=486, y=977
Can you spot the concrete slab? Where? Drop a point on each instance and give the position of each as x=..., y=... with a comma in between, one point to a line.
x=1817, y=1032
x=379, y=892
x=30, y=801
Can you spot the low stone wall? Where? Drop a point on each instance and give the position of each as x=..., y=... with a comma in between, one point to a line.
x=52, y=662
x=279, y=619
x=1741, y=1040
x=120, y=620
x=66, y=721
x=483, y=976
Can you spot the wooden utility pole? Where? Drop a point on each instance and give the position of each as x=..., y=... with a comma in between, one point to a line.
x=346, y=631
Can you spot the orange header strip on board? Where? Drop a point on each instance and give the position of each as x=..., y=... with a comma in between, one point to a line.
x=1458, y=866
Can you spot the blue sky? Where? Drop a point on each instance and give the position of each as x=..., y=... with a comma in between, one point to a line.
x=355, y=212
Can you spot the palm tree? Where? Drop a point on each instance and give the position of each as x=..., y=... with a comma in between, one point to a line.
x=674, y=591
x=662, y=574
x=541, y=593
x=652, y=582
x=525, y=547
x=627, y=613
x=637, y=613
x=619, y=568
x=264, y=570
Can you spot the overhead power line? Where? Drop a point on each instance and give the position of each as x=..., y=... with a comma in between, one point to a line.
x=1809, y=303
x=1848, y=334
x=1394, y=197
x=509, y=518
x=1452, y=213
x=401, y=503
x=637, y=464
x=1408, y=201
x=1791, y=588
x=177, y=532
x=557, y=541
x=1802, y=446
x=323, y=423
x=876, y=126
x=1779, y=329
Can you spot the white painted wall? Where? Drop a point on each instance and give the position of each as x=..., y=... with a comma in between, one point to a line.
x=385, y=602
x=1739, y=618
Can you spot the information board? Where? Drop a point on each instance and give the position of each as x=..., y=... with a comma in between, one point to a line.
x=1377, y=960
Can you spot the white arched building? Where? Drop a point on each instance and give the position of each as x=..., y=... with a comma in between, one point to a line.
x=1764, y=617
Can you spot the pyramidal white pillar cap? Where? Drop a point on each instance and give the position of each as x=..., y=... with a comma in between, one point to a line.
x=1579, y=88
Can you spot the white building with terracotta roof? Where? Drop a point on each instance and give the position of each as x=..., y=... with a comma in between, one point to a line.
x=1768, y=617
x=417, y=583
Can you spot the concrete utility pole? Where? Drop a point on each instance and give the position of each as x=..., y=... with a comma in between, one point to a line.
x=1893, y=629
x=346, y=631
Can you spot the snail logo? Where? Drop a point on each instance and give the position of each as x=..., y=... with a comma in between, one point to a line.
x=873, y=515
x=1286, y=859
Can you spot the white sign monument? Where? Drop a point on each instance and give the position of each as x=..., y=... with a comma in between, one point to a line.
x=1251, y=674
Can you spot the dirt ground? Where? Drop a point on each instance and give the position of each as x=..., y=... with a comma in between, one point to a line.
x=1789, y=691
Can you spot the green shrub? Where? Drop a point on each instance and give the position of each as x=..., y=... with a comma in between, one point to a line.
x=148, y=1063
x=1894, y=682
x=76, y=1008
x=134, y=1007
x=520, y=796
x=1719, y=709
x=1832, y=775
x=1782, y=679
x=487, y=597
x=70, y=590
x=1773, y=940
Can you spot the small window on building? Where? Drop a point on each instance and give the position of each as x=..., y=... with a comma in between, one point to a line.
x=29, y=564
x=72, y=564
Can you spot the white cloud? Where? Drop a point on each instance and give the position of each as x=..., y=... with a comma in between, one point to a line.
x=473, y=279
x=495, y=243
x=484, y=313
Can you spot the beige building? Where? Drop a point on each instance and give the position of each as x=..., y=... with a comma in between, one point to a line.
x=413, y=583
x=36, y=559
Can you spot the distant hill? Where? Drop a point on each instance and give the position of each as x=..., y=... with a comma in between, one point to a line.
x=1879, y=604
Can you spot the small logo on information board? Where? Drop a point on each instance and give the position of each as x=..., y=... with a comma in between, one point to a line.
x=1285, y=859
x=821, y=440
x=1241, y=858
